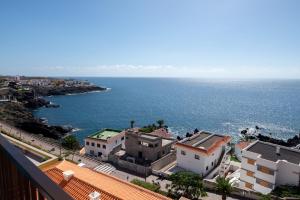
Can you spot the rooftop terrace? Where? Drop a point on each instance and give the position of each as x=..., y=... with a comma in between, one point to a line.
x=105, y=134
x=268, y=152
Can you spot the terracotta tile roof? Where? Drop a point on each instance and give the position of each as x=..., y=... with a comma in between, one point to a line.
x=117, y=188
x=75, y=187
x=242, y=145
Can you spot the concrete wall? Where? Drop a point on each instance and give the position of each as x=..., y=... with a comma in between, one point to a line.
x=164, y=161
x=138, y=169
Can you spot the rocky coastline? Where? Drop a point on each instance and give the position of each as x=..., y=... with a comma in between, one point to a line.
x=18, y=99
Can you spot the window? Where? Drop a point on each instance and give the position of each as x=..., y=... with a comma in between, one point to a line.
x=250, y=161
x=151, y=145
x=91, y=152
x=249, y=185
x=163, y=152
x=264, y=183
x=98, y=145
x=87, y=143
x=93, y=144
x=249, y=173
x=212, y=163
x=122, y=138
x=104, y=146
x=126, y=138
x=183, y=153
x=116, y=141
x=197, y=157
x=156, y=145
x=265, y=170
x=99, y=154
x=206, y=168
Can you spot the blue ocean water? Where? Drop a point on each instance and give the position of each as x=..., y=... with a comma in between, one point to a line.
x=221, y=106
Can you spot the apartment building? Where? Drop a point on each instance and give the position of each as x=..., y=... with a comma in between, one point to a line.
x=104, y=142
x=265, y=166
x=201, y=152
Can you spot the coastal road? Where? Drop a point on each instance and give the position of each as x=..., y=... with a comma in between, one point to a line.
x=53, y=146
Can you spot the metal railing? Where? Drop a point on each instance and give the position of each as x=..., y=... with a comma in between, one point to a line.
x=21, y=179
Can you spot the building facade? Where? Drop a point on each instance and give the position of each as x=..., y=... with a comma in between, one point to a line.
x=201, y=152
x=143, y=147
x=265, y=166
x=238, y=148
x=104, y=142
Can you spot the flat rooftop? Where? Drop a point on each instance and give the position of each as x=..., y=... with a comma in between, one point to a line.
x=105, y=134
x=268, y=152
x=196, y=138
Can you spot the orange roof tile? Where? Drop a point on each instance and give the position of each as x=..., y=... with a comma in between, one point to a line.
x=117, y=188
x=242, y=145
x=75, y=187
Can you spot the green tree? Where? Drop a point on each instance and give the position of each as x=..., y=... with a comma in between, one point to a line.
x=70, y=142
x=265, y=197
x=187, y=184
x=160, y=123
x=224, y=187
x=132, y=123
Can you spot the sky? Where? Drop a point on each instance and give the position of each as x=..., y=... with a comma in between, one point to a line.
x=151, y=38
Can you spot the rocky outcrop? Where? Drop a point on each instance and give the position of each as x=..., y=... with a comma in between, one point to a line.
x=16, y=114
x=291, y=142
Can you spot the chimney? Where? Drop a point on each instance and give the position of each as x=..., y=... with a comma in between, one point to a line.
x=68, y=175
x=277, y=150
x=94, y=196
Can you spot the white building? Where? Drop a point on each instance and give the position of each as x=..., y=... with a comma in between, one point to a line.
x=239, y=148
x=102, y=143
x=201, y=152
x=266, y=165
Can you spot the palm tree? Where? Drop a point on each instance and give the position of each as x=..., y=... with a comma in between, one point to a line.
x=224, y=187
x=132, y=123
x=160, y=123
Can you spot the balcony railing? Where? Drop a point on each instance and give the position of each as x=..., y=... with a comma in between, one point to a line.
x=21, y=179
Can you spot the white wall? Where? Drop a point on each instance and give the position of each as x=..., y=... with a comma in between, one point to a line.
x=189, y=162
x=238, y=153
x=288, y=173
x=259, y=188
x=110, y=145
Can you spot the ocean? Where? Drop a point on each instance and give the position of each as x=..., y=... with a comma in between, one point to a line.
x=219, y=106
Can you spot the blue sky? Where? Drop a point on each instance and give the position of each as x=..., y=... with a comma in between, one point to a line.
x=190, y=38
